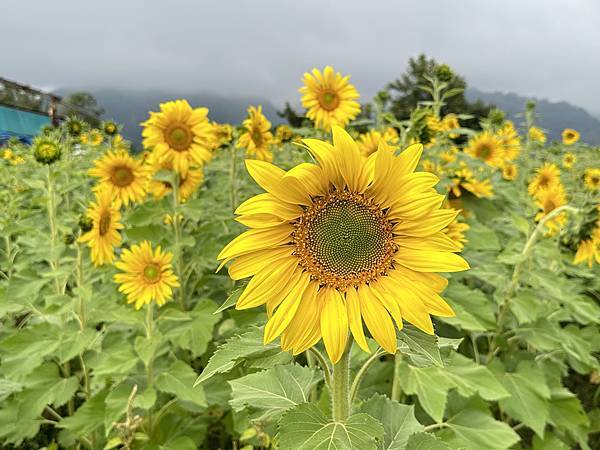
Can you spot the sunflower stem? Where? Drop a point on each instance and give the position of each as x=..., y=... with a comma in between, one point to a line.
x=340, y=383
x=175, y=220
x=52, y=223
x=79, y=270
x=510, y=292
x=361, y=373
x=150, y=365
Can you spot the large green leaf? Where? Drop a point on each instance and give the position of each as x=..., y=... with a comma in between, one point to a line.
x=476, y=430
x=470, y=378
x=306, y=428
x=89, y=416
x=398, y=420
x=179, y=381
x=425, y=441
x=529, y=395
x=274, y=390
x=235, y=350
x=420, y=347
x=474, y=311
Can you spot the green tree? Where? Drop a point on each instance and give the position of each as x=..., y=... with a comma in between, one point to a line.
x=84, y=101
x=406, y=92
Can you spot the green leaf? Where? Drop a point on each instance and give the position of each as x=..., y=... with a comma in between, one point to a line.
x=89, y=416
x=234, y=351
x=470, y=378
x=566, y=411
x=25, y=350
x=274, y=390
x=231, y=300
x=528, y=402
x=306, y=428
x=476, y=430
x=474, y=311
x=425, y=441
x=481, y=237
x=526, y=306
x=179, y=381
x=421, y=347
x=398, y=420
x=116, y=405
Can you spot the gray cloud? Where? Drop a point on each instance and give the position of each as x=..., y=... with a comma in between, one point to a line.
x=544, y=48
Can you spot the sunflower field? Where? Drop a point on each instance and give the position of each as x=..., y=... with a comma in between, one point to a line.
x=355, y=282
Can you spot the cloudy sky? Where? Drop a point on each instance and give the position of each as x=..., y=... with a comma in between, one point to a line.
x=543, y=48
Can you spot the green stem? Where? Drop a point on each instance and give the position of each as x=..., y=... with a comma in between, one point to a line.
x=361, y=373
x=323, y=363
x=340, y=397
x=176, y=221
x=526, y=253
x=232, y=184
x=396, y=389
x=53, y=229
x=150, y=366
x=79, y=270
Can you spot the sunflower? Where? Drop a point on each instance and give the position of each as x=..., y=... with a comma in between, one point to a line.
x=283, y=133
x=546, y=176
x=187, y=185
x=569, y=160
x=537, y=135
x=391, y=135
x=588, y=249
x=223, y=133
x=122, y=175
x=511, y=142
x=329, y=98
x=96, y=137
x=179, y=134
x=509, y=172
x=46, y=150
x=110, y=128
x=569, y=136
x=450, y=122
x=7, y=154
x=592, y=179
x=147, y=275
x=341, y=241
x=74, y=126
x=548, y=199
x=104, y=235
x=486, y=147
x=449, y=156
x=465, y=180
x=257, y=137
x=432, y=167
x=456, y=231
x=434, y=124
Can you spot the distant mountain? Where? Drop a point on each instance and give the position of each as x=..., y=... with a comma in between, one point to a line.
x=552, y=116
x=131, y=107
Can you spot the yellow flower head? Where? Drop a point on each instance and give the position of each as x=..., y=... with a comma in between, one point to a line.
x=120, y=174
x=258, y=137
x=569, y=136
x=537, y=135
x=329, y=98
x=434, y=124
x=179, y=134
x=548, y=199
x=509, y=172
x=589, y=249
x=343, y=241
x=487, y=147
x=511, y=142
x=456, y=231
x=104, y=235
x=450, y=122
x=546, y=176
x=188, y=184
x=592, y=179
x=569, y=160
x=147, y=275
x=7, y=154
x=465, y=180
x=283, y=133
x=390, y=135
x=95, y=137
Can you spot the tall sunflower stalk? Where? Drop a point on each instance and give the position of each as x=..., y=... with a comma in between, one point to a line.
x=177, y=221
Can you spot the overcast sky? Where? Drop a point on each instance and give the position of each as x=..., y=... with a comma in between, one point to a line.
x=543, y=48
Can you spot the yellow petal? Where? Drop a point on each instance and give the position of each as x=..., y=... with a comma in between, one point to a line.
x=334, y=323
x=355, y=319
x=250, y=264
x=269, y=177
x=257, y=239
x=378, y=321
x=265, y=284
x=430, y=261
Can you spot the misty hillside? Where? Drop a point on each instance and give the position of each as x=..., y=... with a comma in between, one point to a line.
x=552, y=116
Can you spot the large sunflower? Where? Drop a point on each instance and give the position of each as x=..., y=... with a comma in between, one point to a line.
x=546, y=176
x=122, y=175
x=104, y=235
x=179, y=134
x=329, y=98
x=486, y=147
x=548, y=199
x=511, y=142
x=257, y=137
x=147, y=275
x=341, y=241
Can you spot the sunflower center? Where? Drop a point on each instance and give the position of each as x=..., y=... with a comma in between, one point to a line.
x=544, y=180
x=344, y=240
x=257, y=137
x=179, y=137
x=595, y=180
x=152, y=273
x=329, y=99
x=122, y=176
x=484, y=151
x=104, y=223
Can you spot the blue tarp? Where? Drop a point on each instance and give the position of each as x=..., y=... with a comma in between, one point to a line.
x=21, y=124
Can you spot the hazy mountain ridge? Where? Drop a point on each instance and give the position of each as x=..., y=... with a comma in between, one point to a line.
x=552, y=116
x=131, y=107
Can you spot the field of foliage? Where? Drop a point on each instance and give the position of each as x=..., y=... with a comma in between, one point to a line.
x=117, y=331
